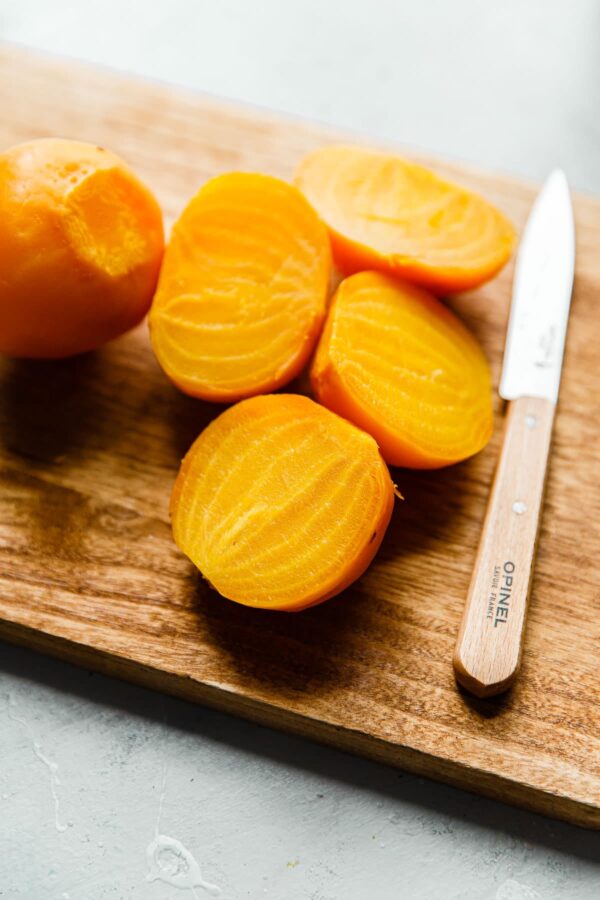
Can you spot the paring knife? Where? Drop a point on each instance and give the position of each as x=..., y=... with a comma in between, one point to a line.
x=489, y=646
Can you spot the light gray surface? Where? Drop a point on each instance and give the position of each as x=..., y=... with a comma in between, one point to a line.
x=514, y=86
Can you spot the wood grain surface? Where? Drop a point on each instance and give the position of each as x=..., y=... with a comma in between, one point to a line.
x=89, y=449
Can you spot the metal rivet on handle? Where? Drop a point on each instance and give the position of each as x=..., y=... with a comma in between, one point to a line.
x=519, y=507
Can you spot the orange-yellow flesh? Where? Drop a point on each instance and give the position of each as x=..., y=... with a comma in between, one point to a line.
x=387, y=213
x=397, y=362
x=81, y=241
x=280, y=503
x=243, y=288
x=106, y=222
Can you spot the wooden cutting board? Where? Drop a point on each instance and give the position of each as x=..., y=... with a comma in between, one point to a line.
x=89, y=449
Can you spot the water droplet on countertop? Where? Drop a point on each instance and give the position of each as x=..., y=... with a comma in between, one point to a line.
x=511, y=889
x=49, y=763
x=169, y=861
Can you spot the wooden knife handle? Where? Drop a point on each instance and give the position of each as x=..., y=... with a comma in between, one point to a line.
x=488, y=650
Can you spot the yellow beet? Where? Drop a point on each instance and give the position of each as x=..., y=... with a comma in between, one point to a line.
x=384, y=212
x=81, y=242
x=243, y=289
x=397, y=362
x=280, y=503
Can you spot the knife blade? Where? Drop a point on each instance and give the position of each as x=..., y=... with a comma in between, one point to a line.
x=541, y=299
x=490, y=641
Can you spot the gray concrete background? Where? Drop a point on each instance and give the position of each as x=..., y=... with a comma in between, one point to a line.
x=91, y=770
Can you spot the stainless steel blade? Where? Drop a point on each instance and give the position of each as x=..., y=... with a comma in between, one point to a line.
x=542, y=290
